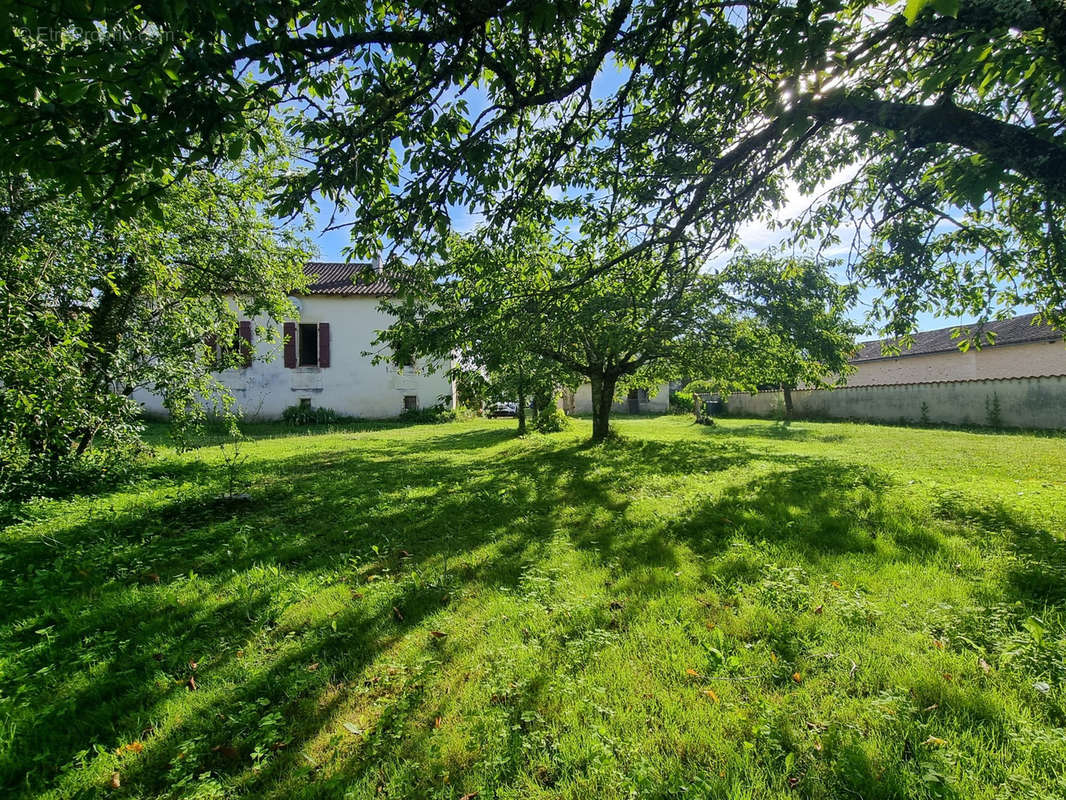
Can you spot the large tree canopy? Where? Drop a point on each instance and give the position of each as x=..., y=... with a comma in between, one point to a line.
x=97, y=306
x=680, y=119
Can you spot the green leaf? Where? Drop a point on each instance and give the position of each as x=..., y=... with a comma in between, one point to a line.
x=948, y=8
x=913, y=9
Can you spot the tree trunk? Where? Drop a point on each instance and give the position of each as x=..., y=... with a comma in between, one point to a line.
x=602, y=400
x=521, y=412
x=787, y=390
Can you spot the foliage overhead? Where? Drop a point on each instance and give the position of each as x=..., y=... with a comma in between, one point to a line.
x=945, y=124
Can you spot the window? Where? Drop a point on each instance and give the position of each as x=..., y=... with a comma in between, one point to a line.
x=240, y=345
x=410, y=402
x=308, y=342
x=305, y=402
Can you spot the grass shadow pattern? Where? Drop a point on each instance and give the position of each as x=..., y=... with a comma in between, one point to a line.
x=745, y=611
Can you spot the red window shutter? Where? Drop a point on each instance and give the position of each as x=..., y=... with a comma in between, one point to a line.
x=289, y=329
x=323, y=344
x=244, y=331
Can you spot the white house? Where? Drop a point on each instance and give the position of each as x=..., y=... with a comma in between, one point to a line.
x=322, y=361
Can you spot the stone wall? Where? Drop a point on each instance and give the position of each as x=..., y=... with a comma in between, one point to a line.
x=1022, y=403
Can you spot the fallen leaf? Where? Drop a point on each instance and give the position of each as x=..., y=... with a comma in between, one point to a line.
x=153, y=577
x=985, y=668
x=773, y=656
x=193, y=664
x=933, y=707
x=711, y=694
x=935, y=741
x=693, y=673
x=116, y=781
x=357, y=595
x=818, y=746
x=192, y=684
x=948, y=676
x=835, y=584
x=397, y=613
x=939, y=645
x=470, y=796
x=793, y=782
x=818, y=610
x=240, y=654
x=438, y=722
x=404, y=554
x=313, y=667
x=354, y=729
x=437, y=634
x=372, y=578
x=797, y=677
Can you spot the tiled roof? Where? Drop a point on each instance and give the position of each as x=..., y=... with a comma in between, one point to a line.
x=1017, y=330
x=336, y=278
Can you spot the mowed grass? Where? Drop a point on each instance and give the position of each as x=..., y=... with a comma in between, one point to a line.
x=744, y=611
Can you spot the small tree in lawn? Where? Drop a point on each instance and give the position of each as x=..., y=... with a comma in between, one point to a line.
x=793, y=326
x=491, y=350
x=536, y=299
x=621, y=323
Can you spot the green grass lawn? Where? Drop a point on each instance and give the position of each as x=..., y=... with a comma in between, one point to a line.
x=744, y=611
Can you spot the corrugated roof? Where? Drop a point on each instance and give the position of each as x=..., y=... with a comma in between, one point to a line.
x=339, y=278
x=1017, y=330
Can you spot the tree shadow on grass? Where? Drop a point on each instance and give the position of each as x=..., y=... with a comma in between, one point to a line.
x=120, y=625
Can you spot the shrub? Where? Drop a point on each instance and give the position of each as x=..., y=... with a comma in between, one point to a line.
x=681, y=403
x=551, y=420
x=306, y=415
x=433, y=414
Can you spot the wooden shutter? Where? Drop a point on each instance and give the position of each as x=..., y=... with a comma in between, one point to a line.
x=289, y=329
x=323, y=344
x=244, y=331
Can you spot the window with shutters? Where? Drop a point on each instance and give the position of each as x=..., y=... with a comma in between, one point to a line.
x=308, y=345
x=410, y=402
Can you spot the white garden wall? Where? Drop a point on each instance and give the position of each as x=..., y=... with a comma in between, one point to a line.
x=1023, y=402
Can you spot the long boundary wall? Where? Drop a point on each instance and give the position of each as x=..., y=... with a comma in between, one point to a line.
x=1017, y=402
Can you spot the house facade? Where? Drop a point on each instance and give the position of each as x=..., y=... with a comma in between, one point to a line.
x=321, y=362
x=1020, y=350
